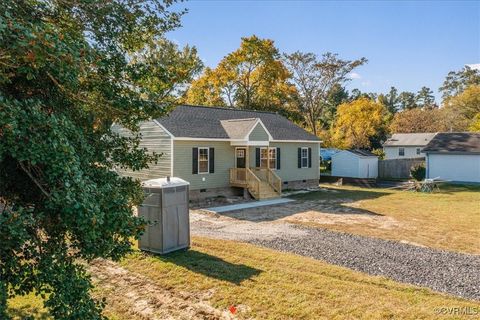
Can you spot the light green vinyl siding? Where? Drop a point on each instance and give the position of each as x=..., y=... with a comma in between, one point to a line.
x=258, y=134
x=155, y=139
x=289, y=170
x=224, y=160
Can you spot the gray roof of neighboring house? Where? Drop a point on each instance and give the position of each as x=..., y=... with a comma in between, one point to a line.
x=453, y=142
x=238, y=128
x=362, y=153
x=408, y=139
x=206, y=122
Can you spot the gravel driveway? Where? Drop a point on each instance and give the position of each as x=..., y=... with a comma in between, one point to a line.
x=453, y=273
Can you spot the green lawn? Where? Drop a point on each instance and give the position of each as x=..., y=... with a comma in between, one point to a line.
x=448, y=219
x=267, y=284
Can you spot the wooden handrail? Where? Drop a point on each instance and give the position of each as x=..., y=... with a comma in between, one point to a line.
x=253, y=183
x=238, y=176
x=274, y=180
x=252, y=179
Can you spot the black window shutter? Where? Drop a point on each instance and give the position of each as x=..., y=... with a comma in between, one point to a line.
x=211, y=160
x=257, y=157
x=309, y=157
x=195, y=160
x=278, y=158
x=299, y=157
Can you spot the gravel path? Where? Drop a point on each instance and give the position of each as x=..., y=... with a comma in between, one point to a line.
x=453, y=273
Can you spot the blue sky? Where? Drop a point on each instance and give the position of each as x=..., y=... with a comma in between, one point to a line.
x=408, y=44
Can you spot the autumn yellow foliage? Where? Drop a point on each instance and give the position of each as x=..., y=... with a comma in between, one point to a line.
x=357, y=122
x=462, y=111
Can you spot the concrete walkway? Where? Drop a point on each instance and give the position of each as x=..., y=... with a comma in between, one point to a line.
x=248, y=205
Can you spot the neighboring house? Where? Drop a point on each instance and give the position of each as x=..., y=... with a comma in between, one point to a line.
x=355, y=164
x=221, y=151
x=454, y=156
x=406, y=145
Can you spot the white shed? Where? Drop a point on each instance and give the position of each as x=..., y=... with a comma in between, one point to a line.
x=454, y=156
x=355, y=164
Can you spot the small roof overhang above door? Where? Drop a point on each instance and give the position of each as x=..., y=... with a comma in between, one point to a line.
x=248, y=143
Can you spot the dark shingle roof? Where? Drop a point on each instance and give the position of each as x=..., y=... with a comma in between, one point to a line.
x=468, y=142
x=363, y=153
x=205, y=122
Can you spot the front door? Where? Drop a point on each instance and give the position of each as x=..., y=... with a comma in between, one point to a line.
x=241, y=157
x=240, y=162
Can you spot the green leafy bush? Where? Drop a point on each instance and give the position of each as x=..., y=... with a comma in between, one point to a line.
x=68, y=70
x=418, y=172
x=379, y=153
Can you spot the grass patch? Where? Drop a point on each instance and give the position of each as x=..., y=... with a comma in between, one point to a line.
x=27, y=307
x=273, y=285
x=267, y=284
x=448, y=219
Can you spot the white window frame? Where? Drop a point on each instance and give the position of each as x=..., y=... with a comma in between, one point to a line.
x=208, y=160
x=274, y=159
x=399, y=154
x=418, y=151
x=302, y=157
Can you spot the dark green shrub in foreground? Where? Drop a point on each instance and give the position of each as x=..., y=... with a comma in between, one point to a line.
x=68, y=70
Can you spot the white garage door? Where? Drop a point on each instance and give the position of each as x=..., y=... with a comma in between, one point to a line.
x=464, y=168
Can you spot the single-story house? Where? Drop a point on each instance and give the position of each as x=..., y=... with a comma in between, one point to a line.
x=454, y=156
x=406, y=145
x=223, y=151
x=355, y=164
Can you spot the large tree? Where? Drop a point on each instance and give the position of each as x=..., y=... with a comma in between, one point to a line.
x=462, y=109
x=390, y=100
x=251, y=77
x=68, y=70
x=407, y=100
x=418, y=120
x=425, y=98
x=360, y=124
x=315, y=78
x=457, y=81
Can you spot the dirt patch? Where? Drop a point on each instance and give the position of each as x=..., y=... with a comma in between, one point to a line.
x=322, y=212
x=218, y=226
x=341, y=212
x=138, y=298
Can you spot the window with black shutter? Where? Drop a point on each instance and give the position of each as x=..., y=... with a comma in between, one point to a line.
x=203, y=160
x=304, y=157
x=211, y=159
x=309, y=157
x=195, y=160
x=278, y=158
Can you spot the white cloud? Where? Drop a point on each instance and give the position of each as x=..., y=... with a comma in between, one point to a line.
x=355, y=75
x=366, y=83
x=475, y=66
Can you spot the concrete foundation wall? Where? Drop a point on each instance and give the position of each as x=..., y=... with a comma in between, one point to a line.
x=300, y=184
x=201, y=194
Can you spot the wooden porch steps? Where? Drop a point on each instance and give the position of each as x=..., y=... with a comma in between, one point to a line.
x=267, y=192
x=260, y=183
